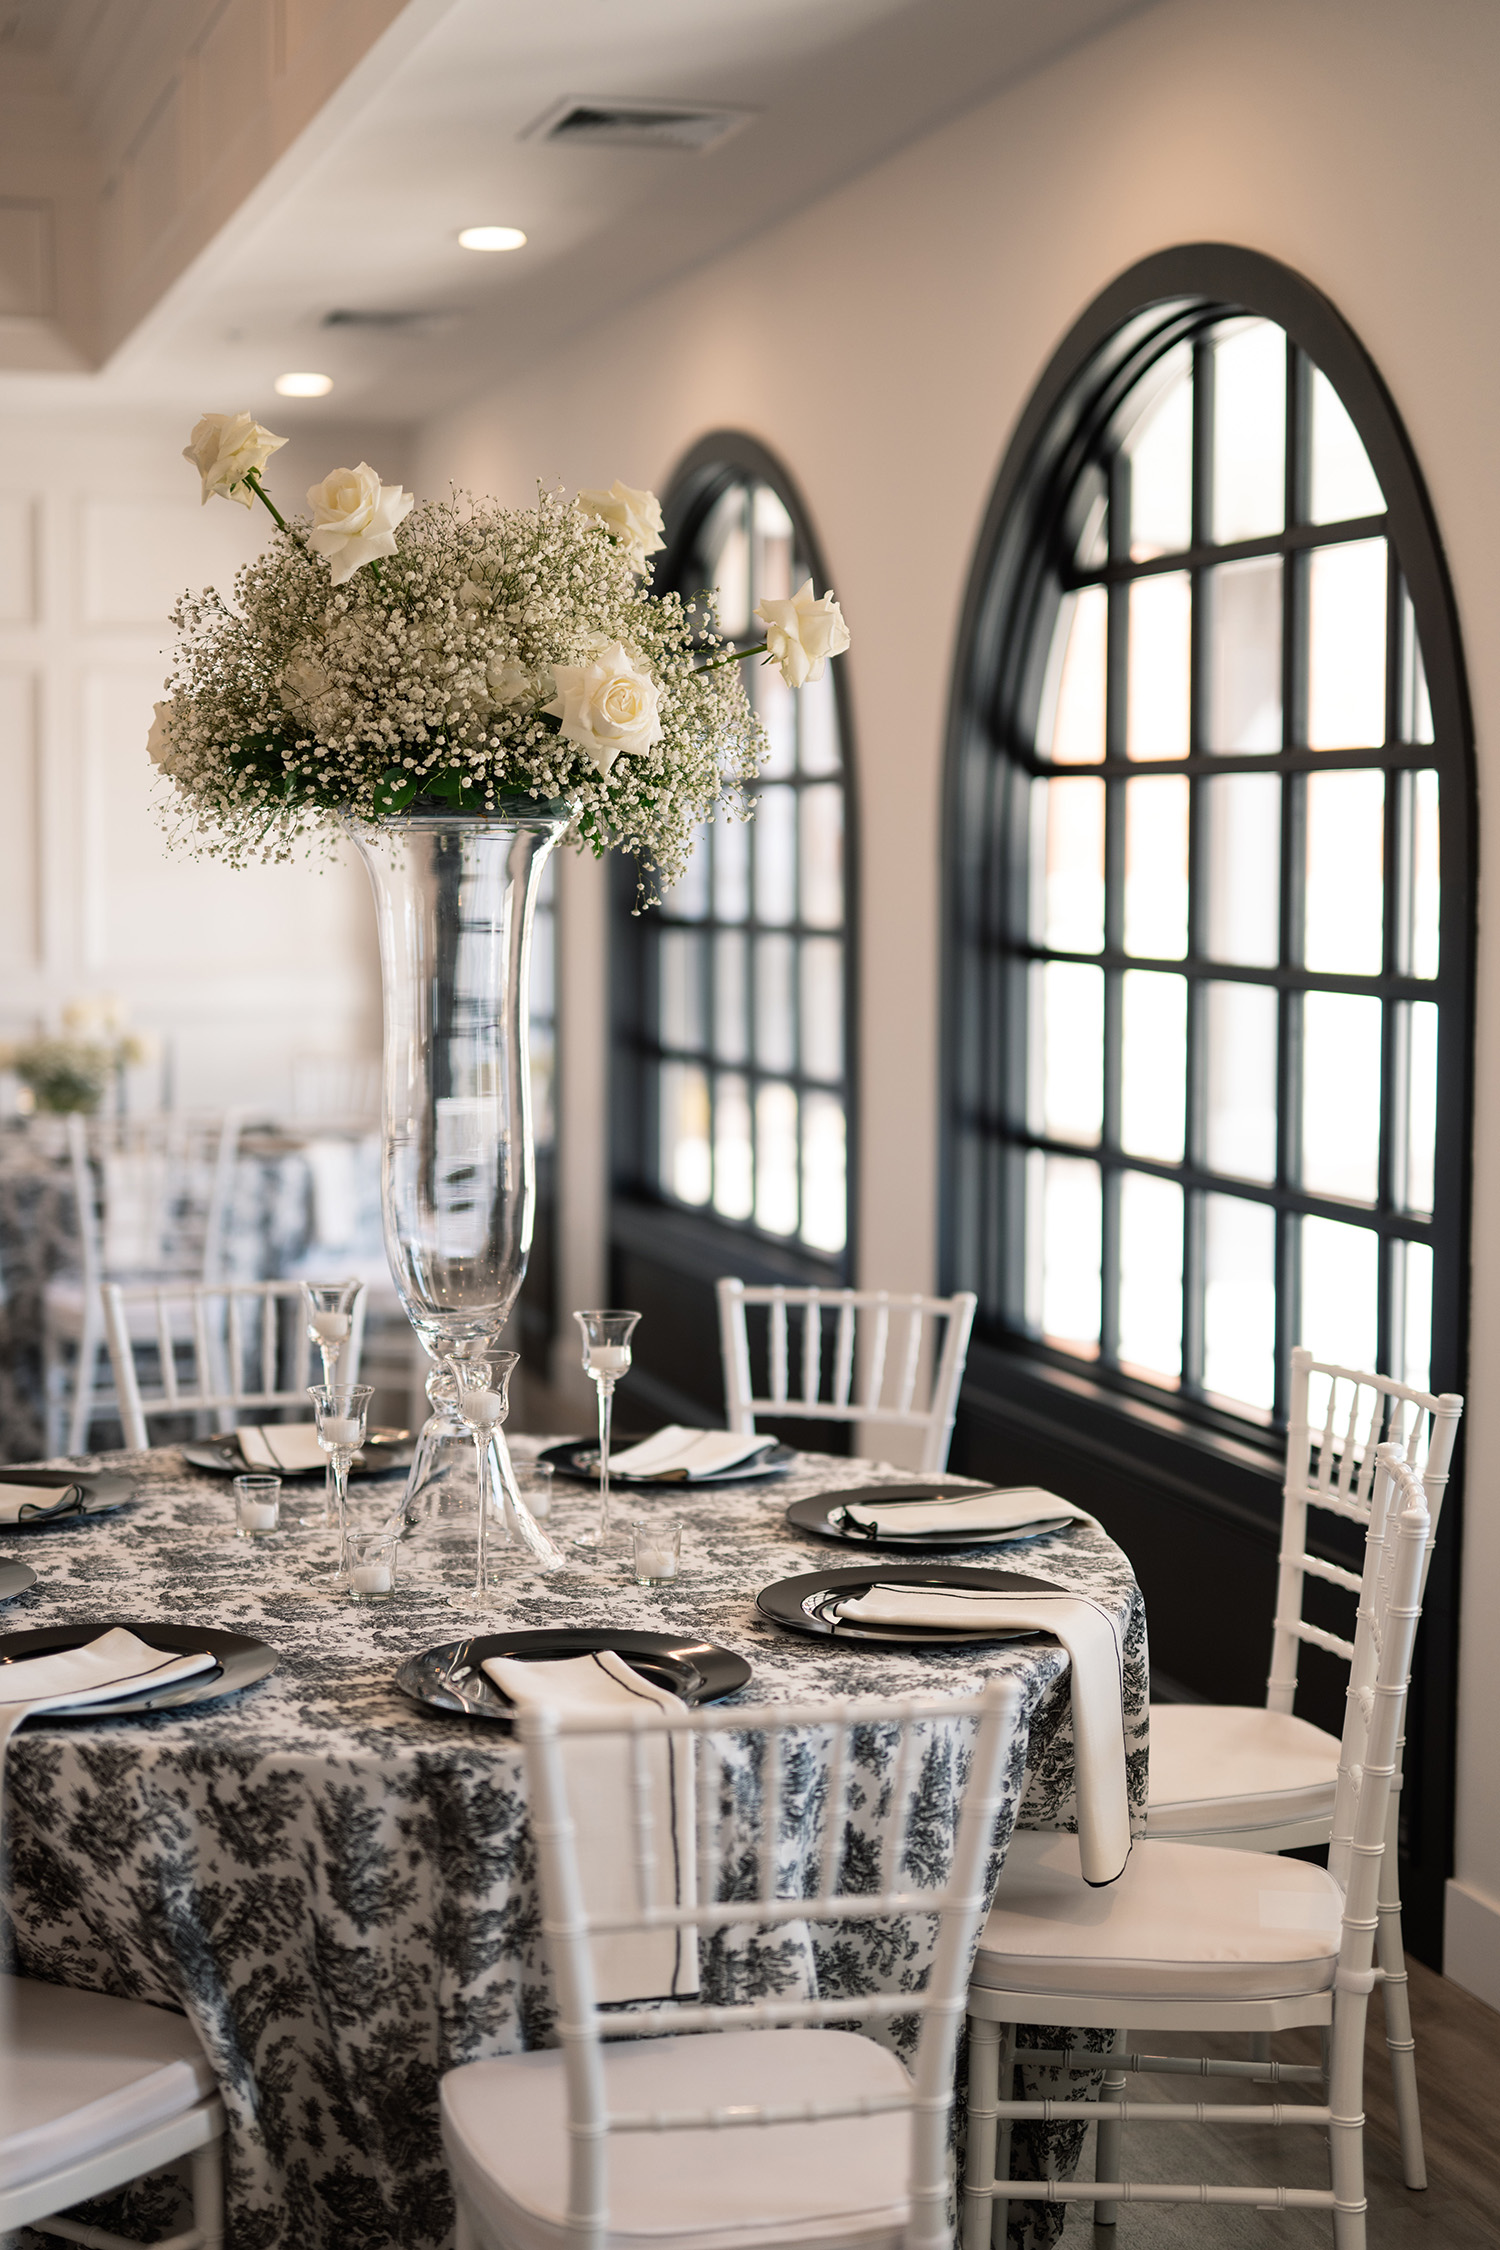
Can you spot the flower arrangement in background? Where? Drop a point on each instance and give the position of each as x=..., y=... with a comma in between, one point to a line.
x=384, y=652
x=75, y=1069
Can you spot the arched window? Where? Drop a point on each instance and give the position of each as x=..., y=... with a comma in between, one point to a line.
x=1210, y=898
x=732, y=997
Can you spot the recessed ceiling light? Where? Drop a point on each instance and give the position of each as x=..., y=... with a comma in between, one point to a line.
x=303, y=386
x=492, y=238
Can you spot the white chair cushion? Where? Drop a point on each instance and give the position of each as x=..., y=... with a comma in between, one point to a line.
x=1188, y=1919
x=1222, y=1767
x=79, y=2072
x=841, y=2181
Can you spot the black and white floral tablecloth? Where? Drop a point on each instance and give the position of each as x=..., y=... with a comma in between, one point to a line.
x=337, y=1886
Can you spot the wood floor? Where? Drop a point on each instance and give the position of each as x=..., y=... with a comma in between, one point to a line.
x=1458, y=2067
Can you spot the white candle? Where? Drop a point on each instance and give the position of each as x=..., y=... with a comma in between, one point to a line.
x=258, y=1515
x=371, y=1578
x=608, y=1359
x=331, y=1327
x=655, y=1562
x=341, y=1429
x=488, y=1407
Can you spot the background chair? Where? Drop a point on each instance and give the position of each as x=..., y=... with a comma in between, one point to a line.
x=97, y=2093
x=533, y=2140
x=850, y=1367
x=222, y=1349
x=152, y=1198
x=1204, y=1940
x=1259, y=1778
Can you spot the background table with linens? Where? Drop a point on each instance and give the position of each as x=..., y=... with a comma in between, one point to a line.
x=337, y=1885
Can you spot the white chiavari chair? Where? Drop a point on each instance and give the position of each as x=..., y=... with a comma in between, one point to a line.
x=1207, y=1940
x=1258, y=1778
x=859, y=1357
x=97, y=2093
x=780, y=2128
x=228, y=1349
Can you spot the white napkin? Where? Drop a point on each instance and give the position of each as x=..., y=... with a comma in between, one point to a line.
x=39, y=1499
x=628, y=1964
x=281, y=1447
x=678, y=1452
x=1088, y=1634
x=1021, y=1509
x=117, y=1664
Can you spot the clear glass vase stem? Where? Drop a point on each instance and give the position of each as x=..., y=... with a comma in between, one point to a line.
x=482, y=1572
x=606, y=1404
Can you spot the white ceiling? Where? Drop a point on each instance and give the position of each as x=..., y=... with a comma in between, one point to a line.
x=363, y=212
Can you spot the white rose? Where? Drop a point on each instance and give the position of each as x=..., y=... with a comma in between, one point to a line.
x=508, y=681
x=802, y=632
x=607, y=705
x=354, y=519
x=224, y=449
x=159, y=740
x=634, y=518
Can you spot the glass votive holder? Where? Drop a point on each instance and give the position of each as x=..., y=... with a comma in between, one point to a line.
x=372, y=1564
x=257, y=1507
x=658, y=1550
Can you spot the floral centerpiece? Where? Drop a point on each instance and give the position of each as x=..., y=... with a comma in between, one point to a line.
x=72, y=1070
x=383, y=653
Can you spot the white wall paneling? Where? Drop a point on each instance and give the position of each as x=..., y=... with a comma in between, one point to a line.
x=20, y=934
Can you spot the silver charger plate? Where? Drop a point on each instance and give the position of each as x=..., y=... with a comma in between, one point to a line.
x=103, y=1490
x=240, y=1661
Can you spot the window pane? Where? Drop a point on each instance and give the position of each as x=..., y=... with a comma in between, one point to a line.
x=1240, y=1080
x=823, y=1190
x=1067, y=882
x=726, y=552
x=1416, y=705
x=1242, y=868
x=818, y=726
x=777, y=705
x=1244, y=698
x=1070, y=726
x=731, y=1002
x=822, y=1008
x=776, y=855
x=1340, y=1268
x=682, y=1013
x=1239, y=1301
x=775, y=1021
x=1343, y=483
x=1160, y=641
x=687, y=901
x=684, y=1159
x=1160, y=452
x=776, y=1159
x=1421, y=1106
x=1341, y=1096
x=1345, y=896
x=1154, y=1066
x=1414, y=1327
x=1346, y=646
x=733, y=1167
x=822, y=819
x=1151, y=1276
x=1067, y=1017
x=1156, y=867
x=1249, y=432
x=773, y=544
x=1090, y=511
x=731, y=869
x=1062, y=1250
x=1422, y=943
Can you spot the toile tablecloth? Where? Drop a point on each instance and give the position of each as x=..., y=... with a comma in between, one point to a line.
x=337, y=1886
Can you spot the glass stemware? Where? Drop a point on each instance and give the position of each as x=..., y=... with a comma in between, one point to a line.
x=482, y=1387
x=329, y=1306
x=606, y=1357
x=343, y=1411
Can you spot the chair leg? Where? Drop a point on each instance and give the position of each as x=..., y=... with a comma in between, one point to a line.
x=1000, y=2207
x=84, y=1371
x=979, y=2160
x=1396, y=1995
x=1346, y=2130
x=1108, y=2138
x=208, y=2194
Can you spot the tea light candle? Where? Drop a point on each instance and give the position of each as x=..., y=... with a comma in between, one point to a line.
x=341, y=1429
x=486, y=1406
x=608, y=1359
x=331, y=1327
x=258, y=1515
x=371, y=1578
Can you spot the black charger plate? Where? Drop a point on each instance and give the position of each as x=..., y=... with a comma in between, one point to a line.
x=240, y=1661
x=103, y=1489
x=15, y=1577
x=782, y=1603
x=578, y=1459
x=816, y=1516
x=448, y=1677
x=386, y=1452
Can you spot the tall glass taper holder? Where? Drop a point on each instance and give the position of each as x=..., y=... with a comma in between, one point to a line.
x=329, y=1307
x=483, y=1403
x=343, y=1411
x=606, y=1357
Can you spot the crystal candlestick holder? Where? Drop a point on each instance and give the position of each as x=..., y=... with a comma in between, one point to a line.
x=606, y=1358
x=343, y=1411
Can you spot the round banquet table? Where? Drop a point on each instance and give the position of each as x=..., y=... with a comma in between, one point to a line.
x=336, y=1884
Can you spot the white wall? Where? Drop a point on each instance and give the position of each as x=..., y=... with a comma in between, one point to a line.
x=100, y=529
x=884, y=342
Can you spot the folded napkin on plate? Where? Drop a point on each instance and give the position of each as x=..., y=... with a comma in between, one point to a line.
x=628, y=1964
x=677, y=1453
x=30, y=1502
x=1022, y=1510
x=1088, y=1634
x=117, y=1664
x=284, y=1447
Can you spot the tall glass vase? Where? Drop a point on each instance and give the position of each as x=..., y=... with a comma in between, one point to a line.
x=454, y=898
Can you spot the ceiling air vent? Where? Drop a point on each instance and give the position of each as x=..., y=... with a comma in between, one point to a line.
x=585, y=123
